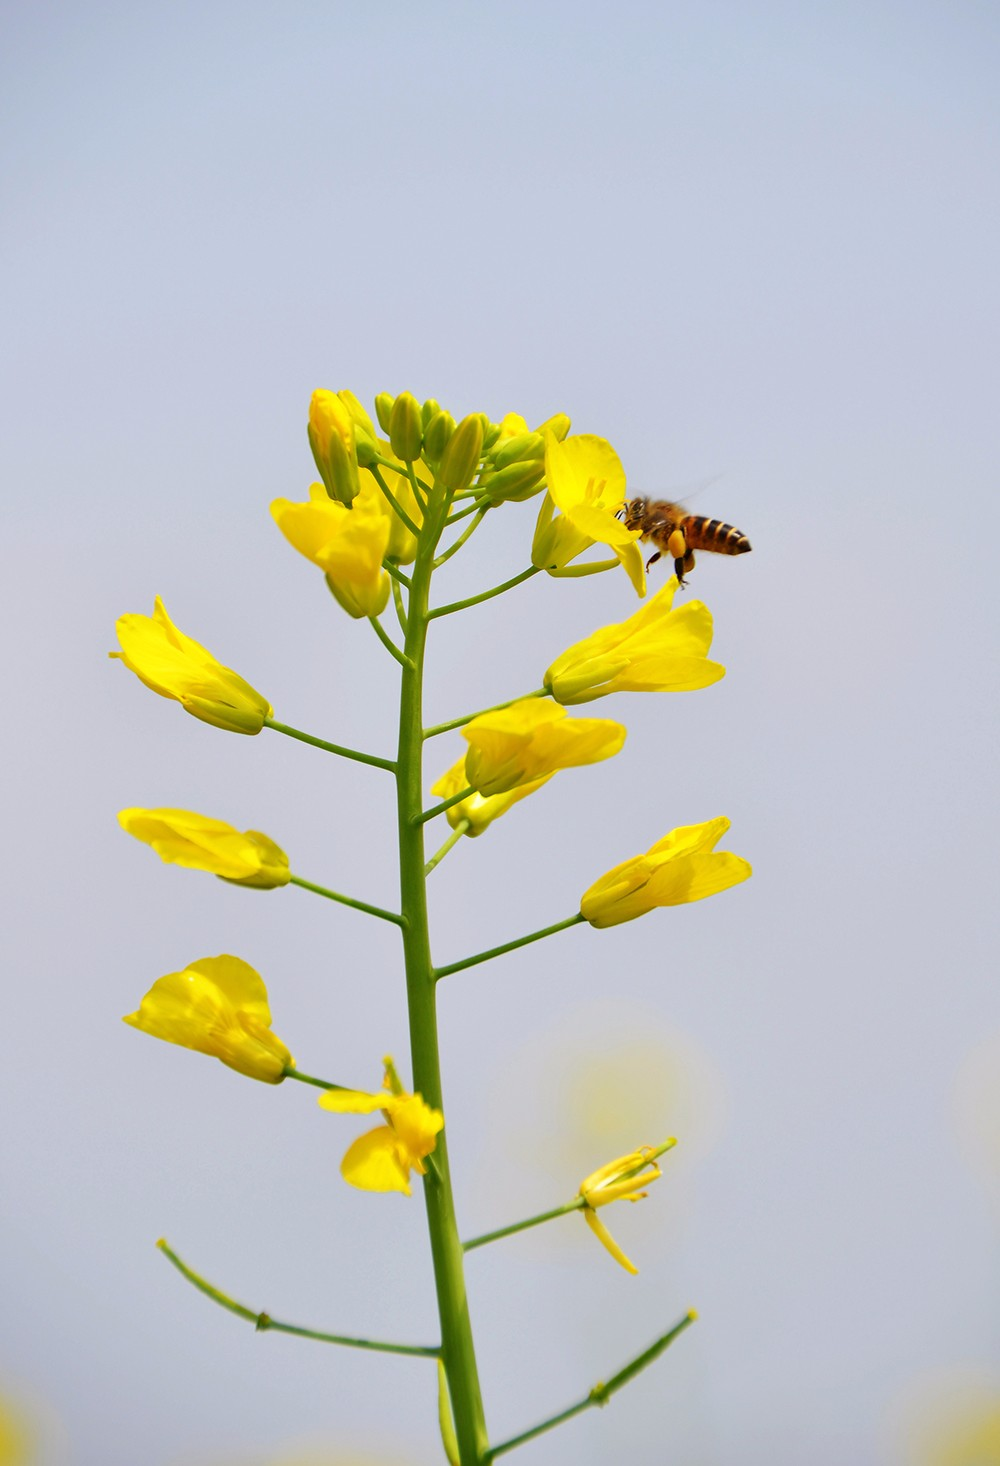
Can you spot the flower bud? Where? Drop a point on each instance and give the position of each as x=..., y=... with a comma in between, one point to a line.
x=362, y=422
x=461, y=456
x=406, y=429
x=516, y=482
x=383, y=409
x=332, y=440
x=519, y=449
x=360, y=599
x=558, y=425
x=429, y=410
x=437, y=435
x=491, y=435
x=367, y=450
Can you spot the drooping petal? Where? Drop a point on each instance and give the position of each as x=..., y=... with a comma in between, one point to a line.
x=374, y=1163
x=605, y=1238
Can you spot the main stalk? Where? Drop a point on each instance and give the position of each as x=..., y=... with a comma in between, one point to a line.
x=457, y=1349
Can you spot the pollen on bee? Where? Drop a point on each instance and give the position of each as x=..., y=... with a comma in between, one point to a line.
x=677, y=545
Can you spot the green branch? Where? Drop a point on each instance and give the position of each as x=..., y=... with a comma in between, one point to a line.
x=601, y=1393
x=546, y=931
x=348, y=901
x=264, y=1321
x=486, y=595
x=465, y=535
x=436, y=809
x=452, y=840
x=546, y=1216
x=496, y=708
x=292, y=1073
x=387, y=641
x=393, y=500
x=352, y=753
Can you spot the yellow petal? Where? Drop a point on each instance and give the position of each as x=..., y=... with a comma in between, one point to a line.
x=353, y=1101
x=605, y=1238
x=182, y=837
x=373, y=1163
x=478, y=809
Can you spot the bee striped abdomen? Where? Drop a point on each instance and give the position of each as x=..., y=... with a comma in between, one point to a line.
x=702, y=533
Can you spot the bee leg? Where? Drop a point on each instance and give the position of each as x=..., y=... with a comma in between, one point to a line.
x=652, y=560
x=679, y=570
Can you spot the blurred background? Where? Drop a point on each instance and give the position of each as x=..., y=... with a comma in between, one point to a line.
x=753, y=244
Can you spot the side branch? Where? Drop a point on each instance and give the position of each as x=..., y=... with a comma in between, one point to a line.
x=352, y=753
x=486, y=595
x=364, y=906
x=496, y=708
x=546, y=931
x=436, y=809
x=601, y=1393
x=263, y=1321
x=388, y=642
x=397, y=506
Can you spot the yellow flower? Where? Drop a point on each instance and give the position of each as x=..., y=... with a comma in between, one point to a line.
x=348, y=543
x=684, y=866
x=181, y=837
x=217, y=1006
x=332, y=429
x=657, y=649
x=382, y=1159
x=622, y=1179
x=402, y=545
x=173, y=665
x=531, y=739
x=479, y=810
x=586, y=482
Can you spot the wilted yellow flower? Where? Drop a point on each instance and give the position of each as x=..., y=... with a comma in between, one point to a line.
x=173, y=665
x=181, y=837
x=622, y=1179
x=531, y=739
x=332, y=429
x=382, y=1159
x=684, y=866
x=347, y=542
x=586, y=482
x=656, y=650
x=218, y=1006
x=479, y=810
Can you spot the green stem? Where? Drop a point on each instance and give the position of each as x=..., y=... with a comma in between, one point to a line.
x=546, y=931
x=264, y=1321
x=457, y=1350
x=387, y=640
x=348, y=901
x=466, y=534
x=469, y=509
x=393, y=500
x=392, y=569
x=436, y=809
x=486, y=595
x=601, y=1393
x=361, y=758
x=292, y=1073
x=397, y=601
x=546, y=1216
x=452, y=840
x=496, y=708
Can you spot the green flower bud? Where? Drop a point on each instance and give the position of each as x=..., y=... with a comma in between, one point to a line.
x=491, y=435
x=406, y=430
x=367, y=450
x=429, y=409
x=516, y=482
x=558, y=425
x=383, y=409
x=517, y=450
x=437, y=435
x=461, y=457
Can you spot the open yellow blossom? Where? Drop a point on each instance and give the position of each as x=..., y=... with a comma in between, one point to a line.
x=173, y=665
x=218, y=1006
x=586, y=482
x=382, y=1159
x=621, y=1179
x=347, y=542
x=332, y=438
x=531, y=739
x=658, y=649
x=181, y=837
x=684, y=866
x=479, y=810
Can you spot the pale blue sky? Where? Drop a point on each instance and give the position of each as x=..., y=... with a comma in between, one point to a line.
x=748, y=243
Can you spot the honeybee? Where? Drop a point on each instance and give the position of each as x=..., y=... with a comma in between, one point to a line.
x=678, y=534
